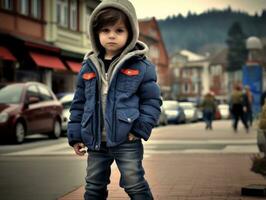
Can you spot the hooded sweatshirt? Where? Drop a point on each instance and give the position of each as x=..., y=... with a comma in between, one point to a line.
x=134, y=47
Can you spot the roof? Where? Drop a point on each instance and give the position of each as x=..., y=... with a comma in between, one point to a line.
x=150, y=27
x=191, y=55
x=220, y=57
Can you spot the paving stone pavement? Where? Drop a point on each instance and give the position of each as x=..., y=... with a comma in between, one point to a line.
x=190, y=177
x=193, y=175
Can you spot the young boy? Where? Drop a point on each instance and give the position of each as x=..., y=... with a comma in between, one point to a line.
x=116, y=103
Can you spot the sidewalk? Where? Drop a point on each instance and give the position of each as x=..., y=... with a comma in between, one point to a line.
x=191, y=176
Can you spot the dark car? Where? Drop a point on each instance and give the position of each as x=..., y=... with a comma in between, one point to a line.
x=29, y=108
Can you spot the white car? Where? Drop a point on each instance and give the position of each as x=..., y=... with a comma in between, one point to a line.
x=174, y=113
x=66, y=101
x=224, y=110
x=190, y=110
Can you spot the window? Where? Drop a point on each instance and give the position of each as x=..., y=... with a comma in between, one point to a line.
x=73, y=15
x=32, y=91
x=11, y=94
x=67, y=13
x=31, y=8
x=24, y=7
x=45, y=94
x=36, y=9
x=196, y=88
x=62, y=12
x=7, y=4
x=185, y=88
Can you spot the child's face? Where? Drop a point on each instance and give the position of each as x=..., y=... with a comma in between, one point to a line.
x=113, y=38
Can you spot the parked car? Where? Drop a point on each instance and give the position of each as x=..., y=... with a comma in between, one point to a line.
x=200, y=114
x=29, y=108
x=66, y=101
x=163, y=118
x=190, y=110
x=224, y=111
x=174, y=113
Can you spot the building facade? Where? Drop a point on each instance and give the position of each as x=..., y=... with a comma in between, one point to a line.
x=47, y=40
x=157, y=53
x=192, y=75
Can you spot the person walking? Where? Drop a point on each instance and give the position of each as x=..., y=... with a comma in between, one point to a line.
x=116, y=102
x=238, y=108
x=263, y=98
x=208, y=108
x=248, y=100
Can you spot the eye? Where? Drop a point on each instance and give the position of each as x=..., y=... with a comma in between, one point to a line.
x=120, y=30
x=105, y=30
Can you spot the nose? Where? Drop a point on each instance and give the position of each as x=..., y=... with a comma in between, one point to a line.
x=111, y=34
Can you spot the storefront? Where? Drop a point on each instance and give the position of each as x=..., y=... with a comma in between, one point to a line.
x=7, y=65
x=24, y=60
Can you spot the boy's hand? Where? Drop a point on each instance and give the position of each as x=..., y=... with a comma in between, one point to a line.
x=79, y=149
x=131, y=137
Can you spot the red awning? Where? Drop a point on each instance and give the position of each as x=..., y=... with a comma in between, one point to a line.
x=47, y=61
x=74, y=66
x=5, y=54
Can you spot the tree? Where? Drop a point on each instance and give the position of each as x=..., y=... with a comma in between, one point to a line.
x=237, y=52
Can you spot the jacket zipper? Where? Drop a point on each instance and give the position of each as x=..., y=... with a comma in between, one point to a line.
x=114, y=115
x=97, y=133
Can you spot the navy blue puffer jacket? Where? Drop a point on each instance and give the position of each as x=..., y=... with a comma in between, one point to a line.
x=133, y=104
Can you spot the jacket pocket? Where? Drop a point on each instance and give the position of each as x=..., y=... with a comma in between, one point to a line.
x=128, y=80
x=124, y=122
x=85, y=119
x=90, y=83
x=87, y=128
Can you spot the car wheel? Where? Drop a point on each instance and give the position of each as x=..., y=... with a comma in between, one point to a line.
x=56, y=133
x=19, y=133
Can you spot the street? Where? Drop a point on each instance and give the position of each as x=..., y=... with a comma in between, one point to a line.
x=48, y=169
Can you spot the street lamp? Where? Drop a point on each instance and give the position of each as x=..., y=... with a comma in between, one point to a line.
x=253, y=45
x=252, y=74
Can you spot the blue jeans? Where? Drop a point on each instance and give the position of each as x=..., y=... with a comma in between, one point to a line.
x=128, y=157
x=208, y=118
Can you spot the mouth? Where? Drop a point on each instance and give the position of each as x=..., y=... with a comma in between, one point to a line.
x=111, y=43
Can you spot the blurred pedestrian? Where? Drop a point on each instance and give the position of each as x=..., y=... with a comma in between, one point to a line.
x=263, y=98
x=238, y=107
x=248, y=100
x=116, y=103
x=208, y=106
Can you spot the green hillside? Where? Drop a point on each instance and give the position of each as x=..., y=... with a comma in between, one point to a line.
x=208, y=30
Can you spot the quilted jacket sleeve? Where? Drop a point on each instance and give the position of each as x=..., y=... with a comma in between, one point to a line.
x=150, y=102
x=76, y=112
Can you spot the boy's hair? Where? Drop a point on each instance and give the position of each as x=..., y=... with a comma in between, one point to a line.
x=109, y=17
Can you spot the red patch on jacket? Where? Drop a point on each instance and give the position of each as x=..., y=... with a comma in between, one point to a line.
x=130, y=72
x=88, y=76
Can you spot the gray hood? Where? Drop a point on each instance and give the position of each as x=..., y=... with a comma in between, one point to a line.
x=126, y=7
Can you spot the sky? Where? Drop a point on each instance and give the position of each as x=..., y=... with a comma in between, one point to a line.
x=162, y=9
